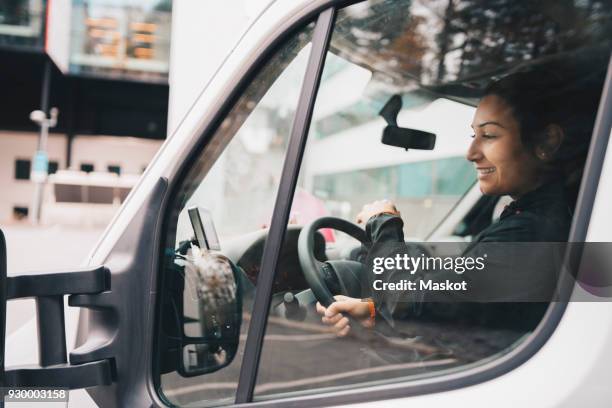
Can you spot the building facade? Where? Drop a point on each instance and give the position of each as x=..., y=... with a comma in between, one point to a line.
x=104, y=65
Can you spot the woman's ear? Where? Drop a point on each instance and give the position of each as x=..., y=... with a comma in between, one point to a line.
x=550, y=143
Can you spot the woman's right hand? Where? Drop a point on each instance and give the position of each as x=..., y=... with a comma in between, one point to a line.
x=377, y=207
x=333, y=315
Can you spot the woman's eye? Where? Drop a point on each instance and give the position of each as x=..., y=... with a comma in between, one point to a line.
x=486, y=136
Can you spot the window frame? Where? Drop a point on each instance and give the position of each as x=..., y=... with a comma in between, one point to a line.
x=440, y=383
x=280, y=216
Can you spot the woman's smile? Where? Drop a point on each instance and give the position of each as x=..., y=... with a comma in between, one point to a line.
x=484, y=171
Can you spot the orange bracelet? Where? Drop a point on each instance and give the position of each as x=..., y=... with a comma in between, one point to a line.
x=372, y=308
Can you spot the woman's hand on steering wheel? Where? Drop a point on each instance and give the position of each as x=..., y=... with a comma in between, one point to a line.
x=333, y=315
x=377, y=207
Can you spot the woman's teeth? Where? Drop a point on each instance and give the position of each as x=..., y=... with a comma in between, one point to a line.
x=487, y=170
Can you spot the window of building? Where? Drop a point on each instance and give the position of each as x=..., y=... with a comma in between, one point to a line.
x=21, y=22
x=22, y=169
x=114, y=169
x=53, y=167
x=87, y=167
x=116, y=39
x=20, y=212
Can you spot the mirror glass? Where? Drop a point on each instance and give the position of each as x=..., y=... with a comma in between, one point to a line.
x=211, y=315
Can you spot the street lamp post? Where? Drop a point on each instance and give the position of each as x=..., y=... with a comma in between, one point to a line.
x=40, y=167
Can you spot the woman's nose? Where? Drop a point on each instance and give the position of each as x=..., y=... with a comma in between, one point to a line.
x=474, y=153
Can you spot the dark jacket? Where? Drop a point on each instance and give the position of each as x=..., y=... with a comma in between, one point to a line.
x=520, y=284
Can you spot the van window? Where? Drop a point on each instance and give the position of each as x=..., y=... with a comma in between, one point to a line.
x=234, y=182
x=434, y=60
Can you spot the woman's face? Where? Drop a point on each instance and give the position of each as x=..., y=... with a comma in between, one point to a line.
x=504, y=165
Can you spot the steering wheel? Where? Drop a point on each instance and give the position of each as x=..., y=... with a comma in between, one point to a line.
x=313, y=268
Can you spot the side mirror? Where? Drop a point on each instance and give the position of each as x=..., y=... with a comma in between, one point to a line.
x=405, y=138
x=201, y=304
x=211, y=313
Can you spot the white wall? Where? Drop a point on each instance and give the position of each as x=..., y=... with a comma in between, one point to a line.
x=203, y=33
x=132, y=154
x=21, y=145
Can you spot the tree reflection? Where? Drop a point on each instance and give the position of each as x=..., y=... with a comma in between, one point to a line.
x=442, y=41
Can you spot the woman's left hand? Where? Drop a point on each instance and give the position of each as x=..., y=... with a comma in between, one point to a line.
x=377, y=207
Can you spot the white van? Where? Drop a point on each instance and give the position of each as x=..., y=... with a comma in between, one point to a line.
x=202, y=291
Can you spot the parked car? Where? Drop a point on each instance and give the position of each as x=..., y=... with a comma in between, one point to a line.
x=197, y=293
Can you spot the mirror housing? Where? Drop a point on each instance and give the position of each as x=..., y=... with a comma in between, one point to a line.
x=212, y=313
x=200, y=327
x=408, y=138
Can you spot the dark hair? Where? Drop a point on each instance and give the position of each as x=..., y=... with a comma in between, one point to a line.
x=539, y=98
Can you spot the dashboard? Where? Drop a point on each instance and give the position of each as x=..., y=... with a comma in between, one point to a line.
x=247, y=250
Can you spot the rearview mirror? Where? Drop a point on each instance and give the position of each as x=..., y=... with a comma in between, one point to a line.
x=405, y=138
x=408, y=138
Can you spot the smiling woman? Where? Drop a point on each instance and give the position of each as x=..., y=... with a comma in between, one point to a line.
x=531, y=128
x=504, y=166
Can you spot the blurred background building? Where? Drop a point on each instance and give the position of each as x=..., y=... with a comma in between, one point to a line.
x=104, y=65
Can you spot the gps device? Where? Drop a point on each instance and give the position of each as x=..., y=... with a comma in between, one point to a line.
x=204, y=228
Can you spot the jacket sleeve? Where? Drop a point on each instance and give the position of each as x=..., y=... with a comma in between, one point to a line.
x=387, y=238
x=385, y=228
